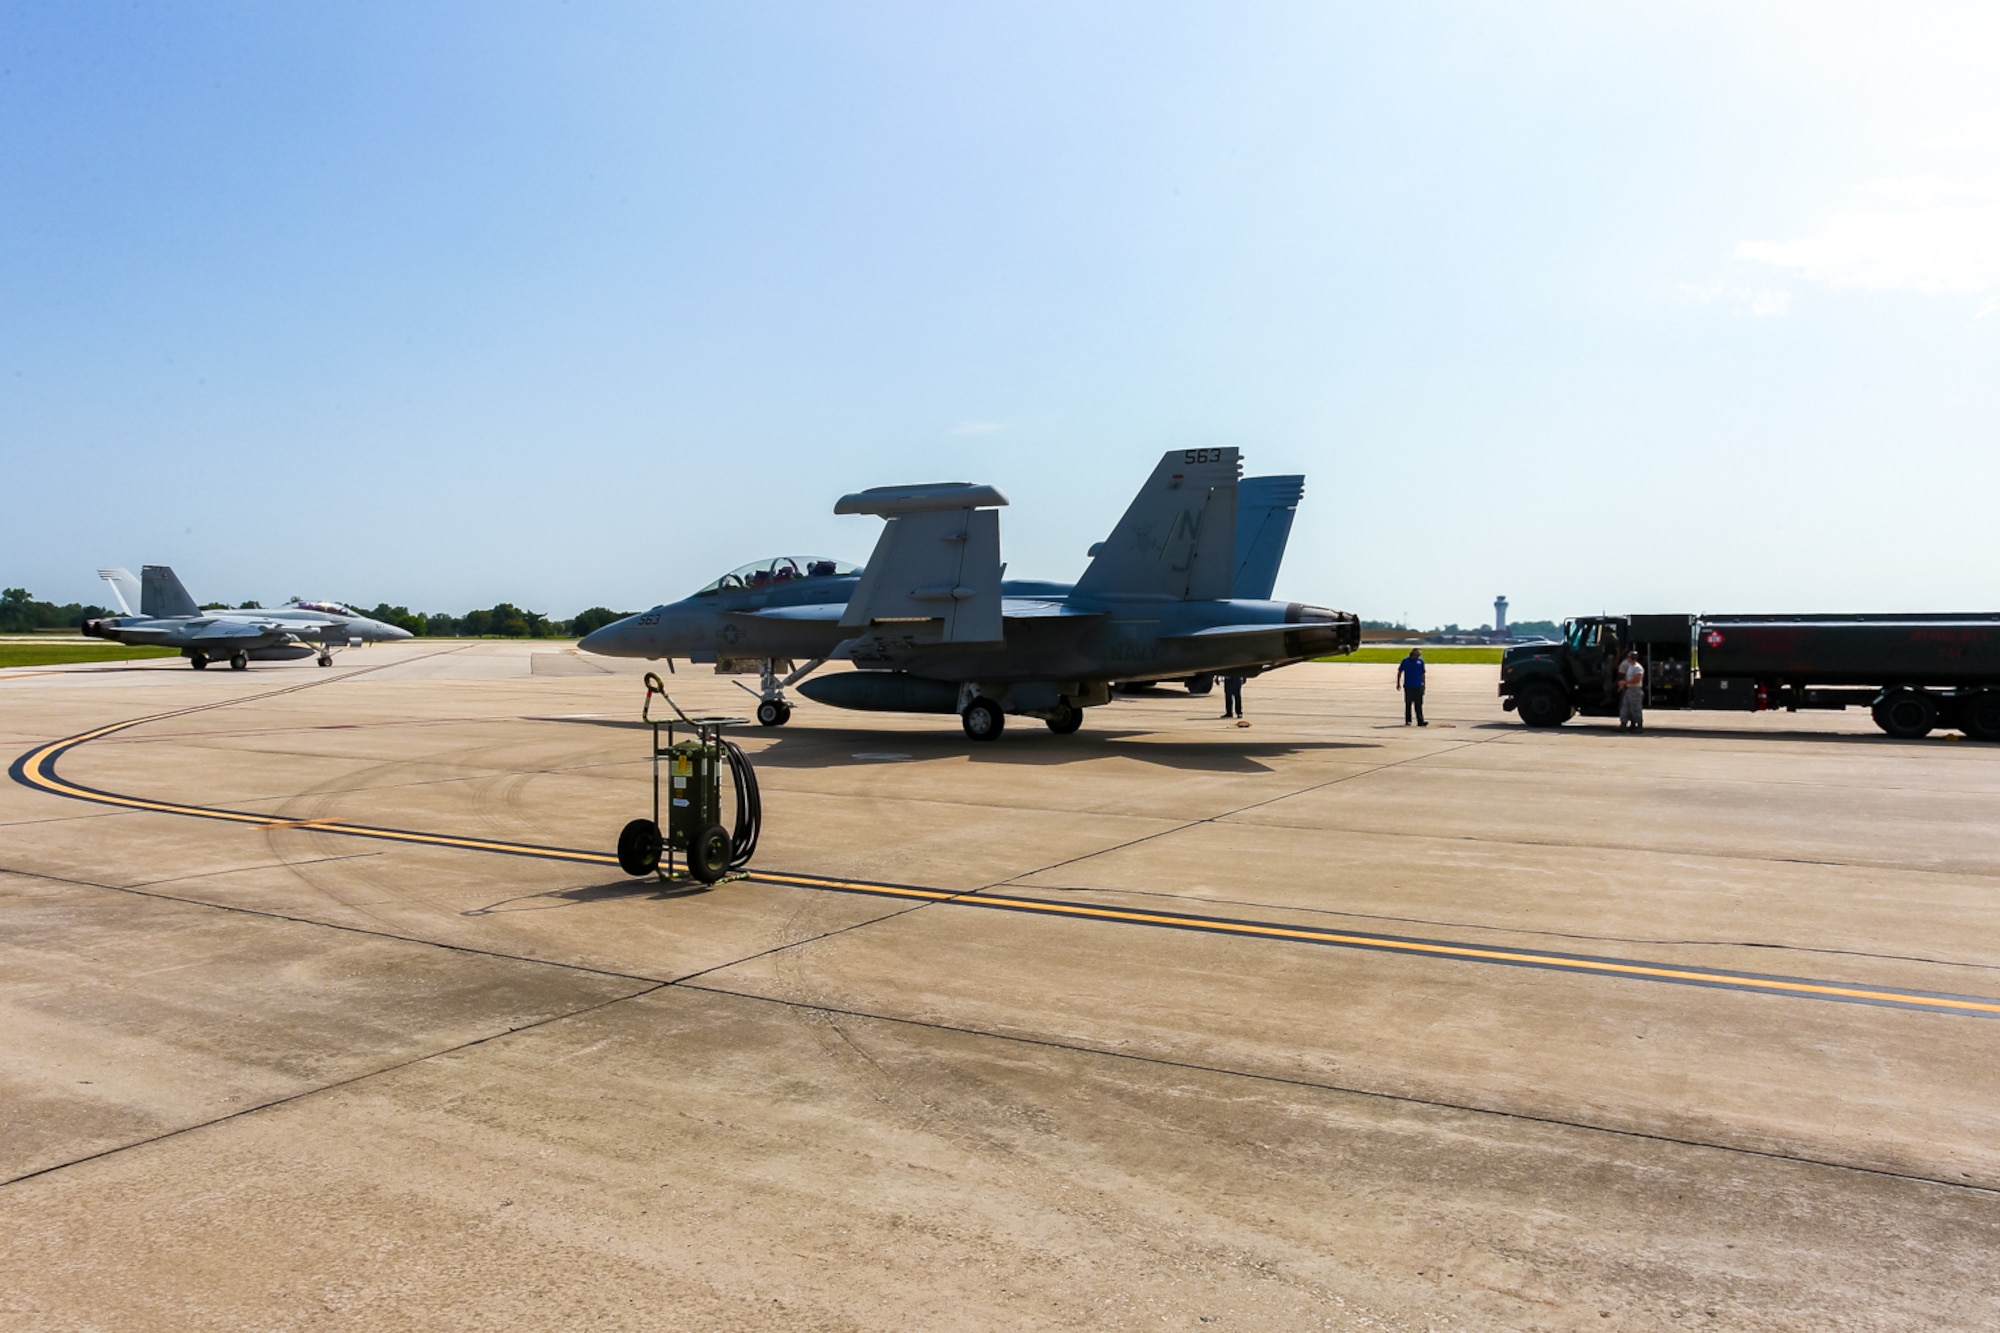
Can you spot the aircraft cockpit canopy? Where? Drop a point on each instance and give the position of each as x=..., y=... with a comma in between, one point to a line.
x=329, y=608
x=784, y=569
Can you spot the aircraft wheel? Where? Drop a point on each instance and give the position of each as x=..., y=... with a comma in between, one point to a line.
x=239, y=661
x=708, y=859
x=197, y=660
x=639, y=847
x=983, y=720
x=1067, y=721
x=1979, y=716
x=1907, y=715
x=326, y=659
x=1200, y=685
x=773, y=713
x=1542, y=706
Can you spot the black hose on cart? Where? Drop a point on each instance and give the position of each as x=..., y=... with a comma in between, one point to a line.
x=749, y=807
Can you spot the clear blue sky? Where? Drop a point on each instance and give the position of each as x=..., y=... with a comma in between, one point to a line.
x=1677, y=308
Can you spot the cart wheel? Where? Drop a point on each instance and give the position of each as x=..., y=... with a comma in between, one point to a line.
x=708, y=858
x=639, y=847
x=772, y=713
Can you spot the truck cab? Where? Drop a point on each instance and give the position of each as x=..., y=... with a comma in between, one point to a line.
x=1549, y=683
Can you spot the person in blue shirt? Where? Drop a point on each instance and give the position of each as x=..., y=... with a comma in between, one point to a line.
x=1410, y=679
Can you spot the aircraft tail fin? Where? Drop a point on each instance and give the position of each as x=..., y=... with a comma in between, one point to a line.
x=937, y=560
x=161, y=593
x=1265, y=507
x=1178, y=536
x=124, y=589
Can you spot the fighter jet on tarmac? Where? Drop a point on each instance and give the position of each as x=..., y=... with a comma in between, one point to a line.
x=933, y=628
x=168, y=617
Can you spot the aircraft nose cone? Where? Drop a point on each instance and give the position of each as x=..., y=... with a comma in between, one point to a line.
x=398, y=632
x=613, y=640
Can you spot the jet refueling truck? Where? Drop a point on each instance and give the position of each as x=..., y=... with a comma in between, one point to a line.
x=1915, y=673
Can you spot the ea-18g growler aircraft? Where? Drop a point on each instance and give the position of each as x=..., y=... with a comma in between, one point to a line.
x=932, y=628
x=169, y=618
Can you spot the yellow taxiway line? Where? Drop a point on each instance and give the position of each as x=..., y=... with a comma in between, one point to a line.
x=37, y=768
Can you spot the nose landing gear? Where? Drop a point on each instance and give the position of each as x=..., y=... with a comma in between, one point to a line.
x=773, y=709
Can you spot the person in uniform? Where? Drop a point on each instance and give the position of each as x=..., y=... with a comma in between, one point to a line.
x=1410, y=680
x=1232, y=696
x=1631, y=694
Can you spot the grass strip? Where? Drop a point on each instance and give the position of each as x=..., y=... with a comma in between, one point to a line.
x=1477, y=656
x=56, y=654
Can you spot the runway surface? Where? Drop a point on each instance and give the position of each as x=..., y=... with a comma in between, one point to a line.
x=983, y=980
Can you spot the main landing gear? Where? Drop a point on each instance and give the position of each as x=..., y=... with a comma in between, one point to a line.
x=239, y=660
x=198, y=661
x=984, y=720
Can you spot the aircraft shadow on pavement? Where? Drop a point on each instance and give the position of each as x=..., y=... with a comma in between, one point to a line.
x=1229, y=752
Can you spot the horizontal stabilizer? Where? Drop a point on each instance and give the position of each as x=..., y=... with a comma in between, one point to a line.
x=161, y=593
x=1178, y=536
x=1234, y=631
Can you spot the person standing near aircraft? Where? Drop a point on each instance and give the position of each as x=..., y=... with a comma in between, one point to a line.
x=1410, y=679
x=1232, y=697
x=1631, y=694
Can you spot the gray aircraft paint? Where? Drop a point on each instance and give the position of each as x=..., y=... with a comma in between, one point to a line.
x=1155, y=603
x=168, y=617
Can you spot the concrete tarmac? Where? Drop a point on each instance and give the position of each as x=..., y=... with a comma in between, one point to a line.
x=1327, y=1022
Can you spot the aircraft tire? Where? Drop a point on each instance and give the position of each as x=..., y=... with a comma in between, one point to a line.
x=983, y=720
x=772, y=713
x=1200, y=685
x=198, y=660
x=326, y=659
x=239, y=661
x=708, y=858
x=639, y=847
x=1067, y=721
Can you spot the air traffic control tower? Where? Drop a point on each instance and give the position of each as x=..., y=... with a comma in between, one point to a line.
x=1500, y=615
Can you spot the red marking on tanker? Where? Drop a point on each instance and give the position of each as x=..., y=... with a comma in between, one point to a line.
x=1713, y=638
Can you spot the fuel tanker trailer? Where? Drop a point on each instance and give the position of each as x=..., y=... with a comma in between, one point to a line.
x=1914, y=673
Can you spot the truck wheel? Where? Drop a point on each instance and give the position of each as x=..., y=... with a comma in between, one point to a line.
x=1979, y=715
x=639, y=847
x=1543, y=706
x=1906, y=715
x=983, y=720
x=708, y=859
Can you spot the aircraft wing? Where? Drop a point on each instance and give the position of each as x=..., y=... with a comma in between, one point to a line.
x=815, y=613
x=1035, y=608
x=246, y=628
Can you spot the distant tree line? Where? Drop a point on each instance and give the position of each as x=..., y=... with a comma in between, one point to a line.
x=1521, y=629
x=20, y=613
x=504, y=621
